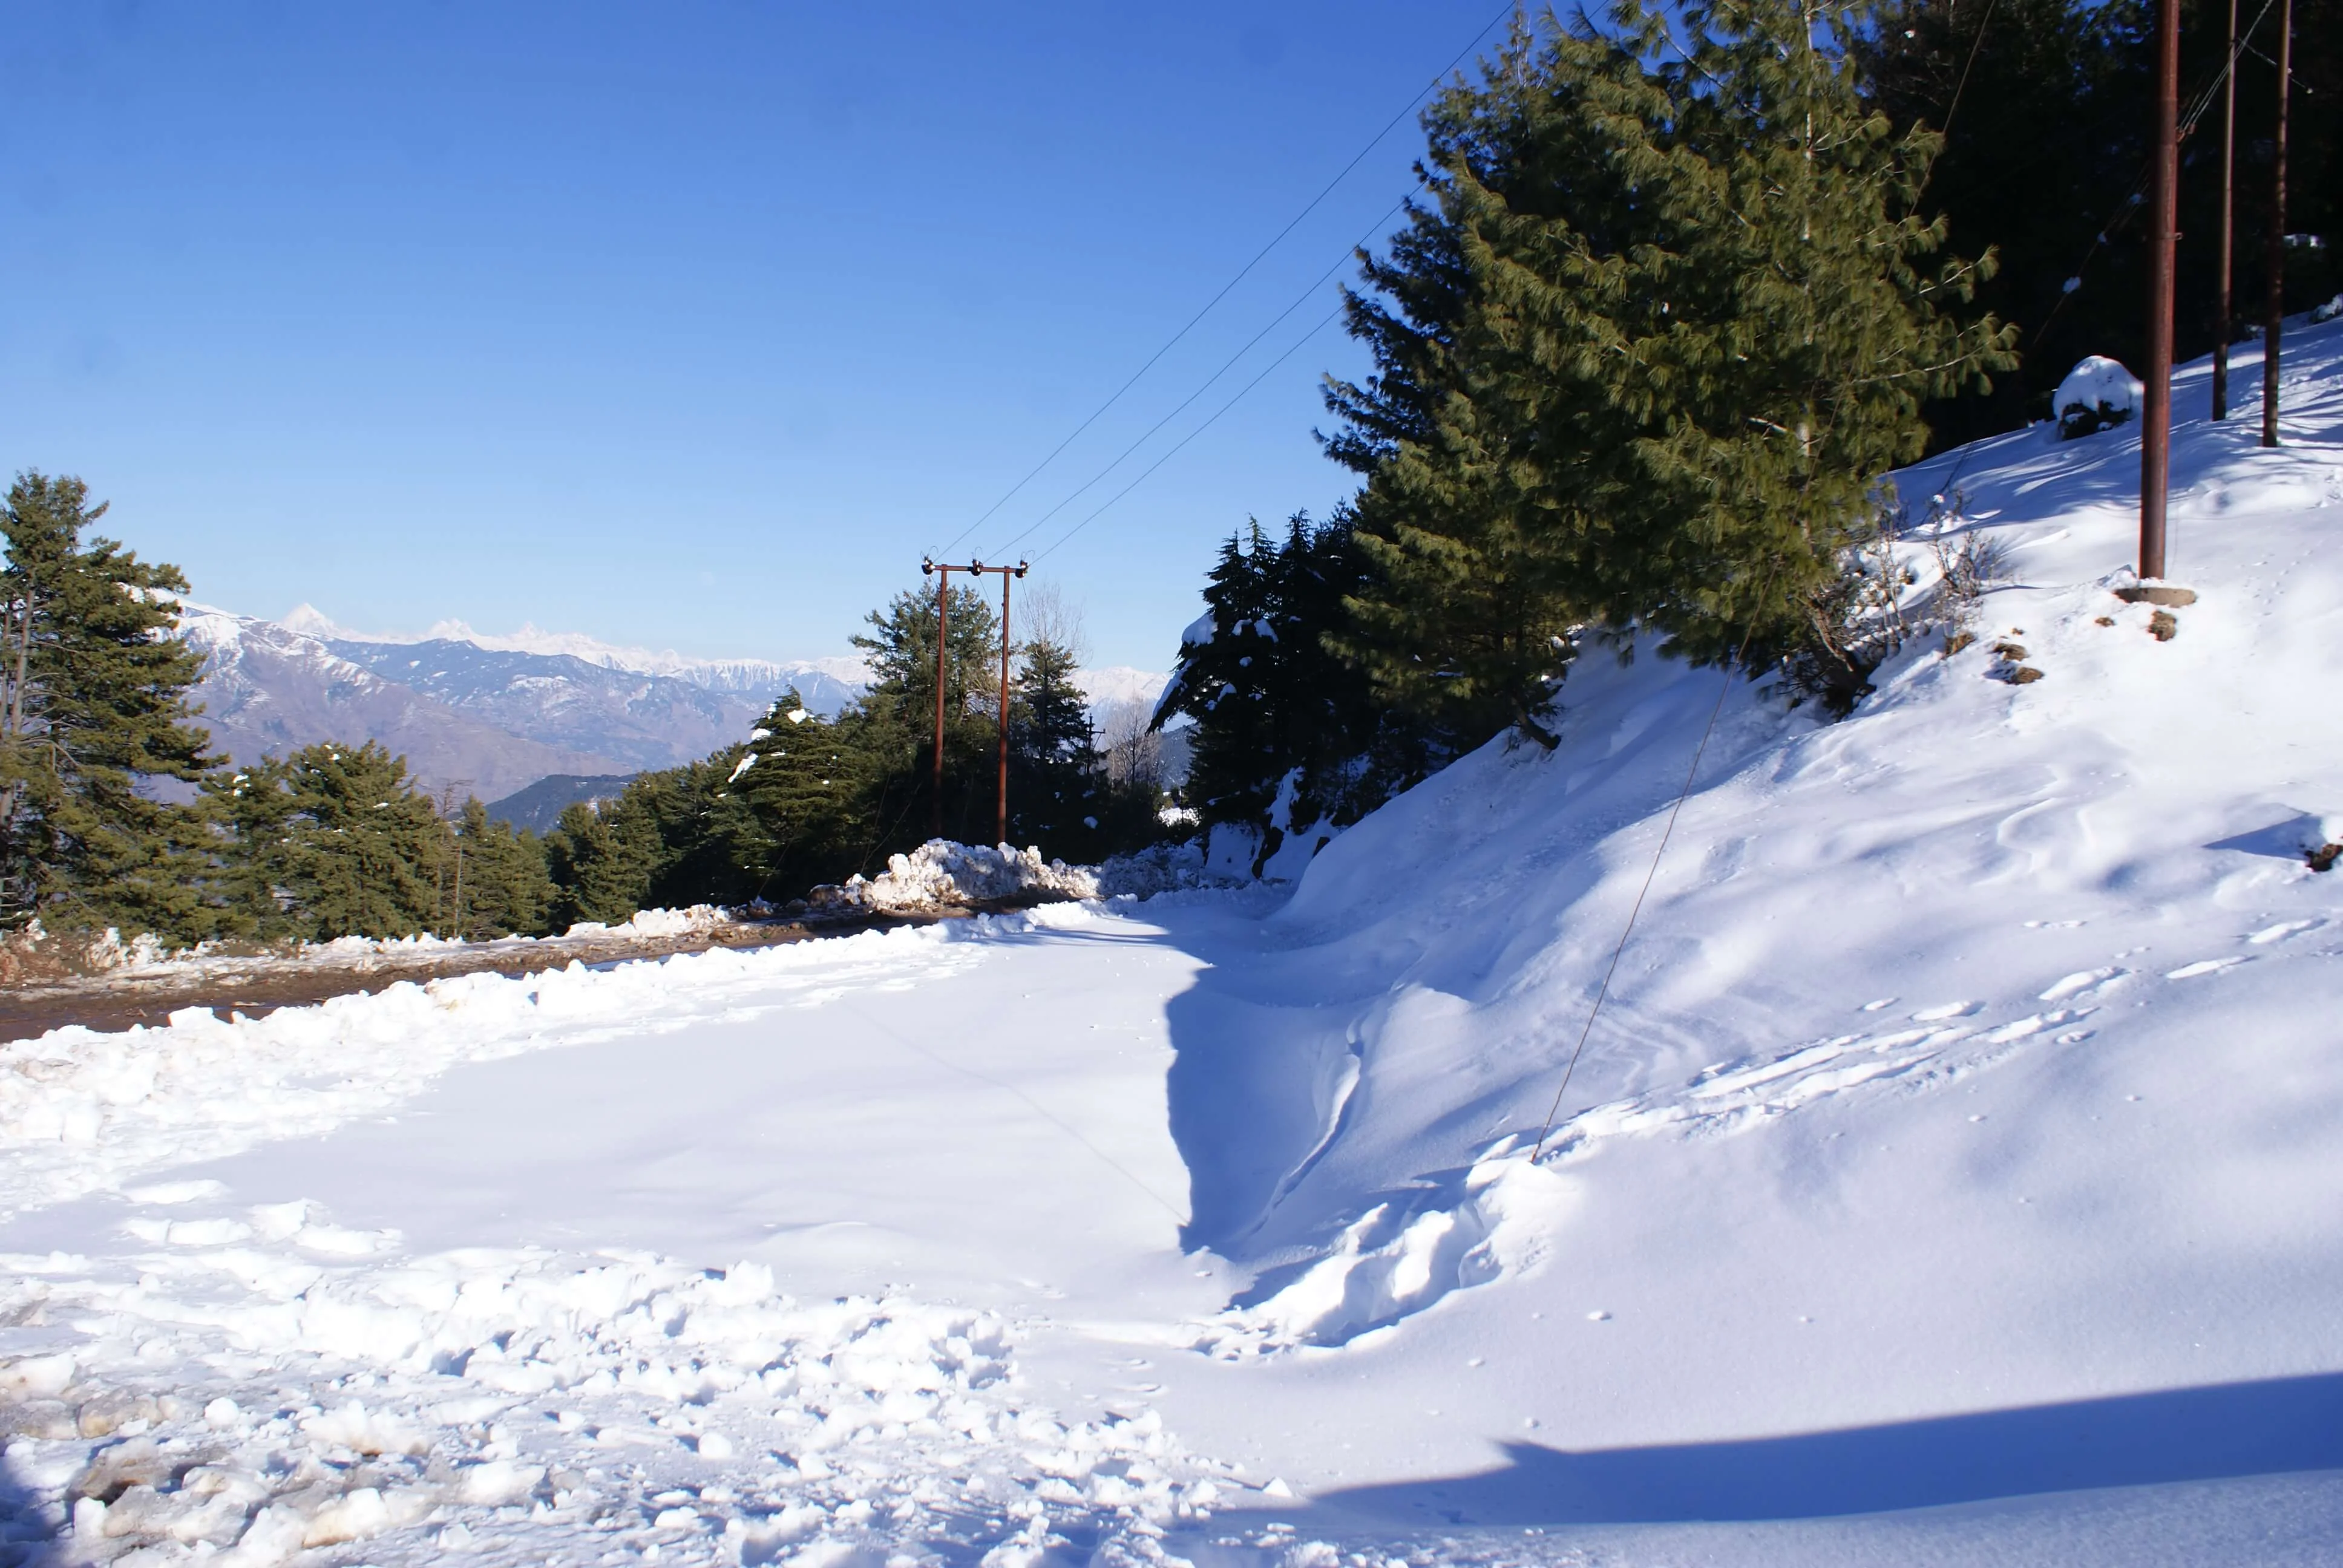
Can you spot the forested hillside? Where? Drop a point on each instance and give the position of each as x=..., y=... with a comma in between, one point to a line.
x=1682, y=286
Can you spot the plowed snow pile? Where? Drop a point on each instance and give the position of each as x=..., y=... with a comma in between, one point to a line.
x=1955, y=1174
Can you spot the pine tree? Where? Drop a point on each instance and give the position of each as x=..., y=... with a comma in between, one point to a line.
x=1059, y=797
x=1288, y=733
x=498, y=886
x=94, y=712
x=810, y=784
x=335, y=841
x=601, y=862
x=1670, y=313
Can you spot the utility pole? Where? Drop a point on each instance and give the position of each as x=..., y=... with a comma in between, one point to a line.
x=2221, y=304
x=1000, y=830
x=943, y=601
x=2276, y=307
x=2164, y=220
x=974, y=569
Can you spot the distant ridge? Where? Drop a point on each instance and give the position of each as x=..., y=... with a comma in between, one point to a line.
x=492, y=715
x=538, y=808
x=826, y=683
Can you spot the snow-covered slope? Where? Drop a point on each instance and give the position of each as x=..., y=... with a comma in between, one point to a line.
x=1954, y=1175
x=1975, y=1054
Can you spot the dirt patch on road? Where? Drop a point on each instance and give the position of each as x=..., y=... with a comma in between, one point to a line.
x=264, y=983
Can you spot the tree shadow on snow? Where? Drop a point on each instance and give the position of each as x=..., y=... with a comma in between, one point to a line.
x=2223, y=1432
x=2285, y=839
x=25, y=1537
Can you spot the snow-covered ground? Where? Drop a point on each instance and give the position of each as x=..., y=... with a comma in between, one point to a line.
x=1955, y=1174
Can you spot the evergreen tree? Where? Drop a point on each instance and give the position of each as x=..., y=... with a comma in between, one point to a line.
x=1639, y=363
x=892, y=727
x=1061, y=798
x=94, y=712
x=600, y=862
x=335, y=841
x=1287, y=732
x=499, y=886
x=812, y=786
x=2045, y=106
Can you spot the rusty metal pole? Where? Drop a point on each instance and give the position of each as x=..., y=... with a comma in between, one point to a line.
x=2276, y=306
x=2221, y=302
x=1001, y=823
x=1002, y=835
x=2164, y=220
x=936, y=784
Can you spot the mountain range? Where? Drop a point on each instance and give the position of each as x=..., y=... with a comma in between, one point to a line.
x=490, y=714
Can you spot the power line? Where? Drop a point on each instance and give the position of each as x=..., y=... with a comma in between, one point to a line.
x=1299, y=301
x=1603, y=994
x=1325, y=322
x=1242, y=273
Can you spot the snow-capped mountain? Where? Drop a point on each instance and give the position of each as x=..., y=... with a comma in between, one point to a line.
x=497, y=713
x=826, y=684
x=268, y=689
x=490, y=720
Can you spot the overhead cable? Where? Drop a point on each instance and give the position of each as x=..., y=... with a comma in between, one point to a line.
x=1243, y=272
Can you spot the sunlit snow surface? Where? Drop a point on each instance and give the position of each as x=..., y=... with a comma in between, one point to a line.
x=1955, y=1174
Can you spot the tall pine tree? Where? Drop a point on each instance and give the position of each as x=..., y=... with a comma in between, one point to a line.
x=94, y=714
x=1639, y=363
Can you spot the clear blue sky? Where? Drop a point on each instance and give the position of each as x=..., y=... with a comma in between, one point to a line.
x=692, y=324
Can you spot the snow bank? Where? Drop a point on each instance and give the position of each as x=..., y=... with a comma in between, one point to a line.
x=2115, y=873
x=547, y=1400
x=942, y=875
x=82, y=1111
x=34, y=956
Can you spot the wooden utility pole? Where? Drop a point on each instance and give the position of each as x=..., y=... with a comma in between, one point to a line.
x=974, y=569
x=2164, y=235
x=943, y=604
x=2276, y=307
x=2221, y=304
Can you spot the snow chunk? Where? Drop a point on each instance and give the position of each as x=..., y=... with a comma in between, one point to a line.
x=2097, y=393
x=941, y=874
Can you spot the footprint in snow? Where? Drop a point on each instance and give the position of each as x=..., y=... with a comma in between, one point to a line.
x=1950, y=1010
x=2280, y=933
x=2084, y=980
x=2204, y=967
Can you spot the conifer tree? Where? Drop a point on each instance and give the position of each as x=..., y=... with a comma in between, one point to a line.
x=333, y=842
x=1640, y=362
x=1287, y=732
x=810, y=784
x=94, y=710
x=498, y=886
x=1059, y=797
x=601, y=862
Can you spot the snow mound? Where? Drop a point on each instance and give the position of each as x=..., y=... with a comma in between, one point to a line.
x=2097, y=393
x=1399, y=1257
x=538, y=1400
x=657, y=923
x=82, y=1111
x=943, y=875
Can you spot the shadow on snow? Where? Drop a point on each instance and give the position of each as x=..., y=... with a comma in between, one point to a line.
x=2224, y=1432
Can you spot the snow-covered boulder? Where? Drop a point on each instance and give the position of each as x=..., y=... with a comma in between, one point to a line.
x=2097, y=393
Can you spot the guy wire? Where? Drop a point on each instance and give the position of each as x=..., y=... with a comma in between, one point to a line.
x=1603, y=994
